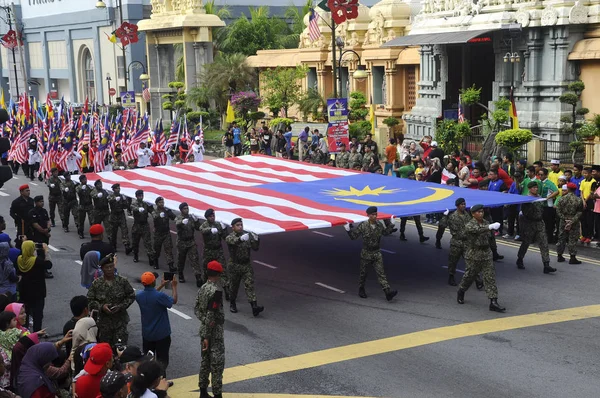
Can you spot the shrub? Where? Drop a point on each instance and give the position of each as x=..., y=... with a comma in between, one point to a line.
x=359, y=129
x=513, y=139
x=449, y=134
x=280, y=120
x=587, y=130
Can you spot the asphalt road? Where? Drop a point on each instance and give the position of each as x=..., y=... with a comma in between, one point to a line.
x=307, y=282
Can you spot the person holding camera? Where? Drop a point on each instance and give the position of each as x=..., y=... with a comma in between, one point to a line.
x=156, y=328
x=144, y=155
x=33, y=264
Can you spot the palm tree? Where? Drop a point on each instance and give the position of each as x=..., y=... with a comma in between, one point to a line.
x=222, y=12
x=259, y=12
x=296, y=16
x=313, y=103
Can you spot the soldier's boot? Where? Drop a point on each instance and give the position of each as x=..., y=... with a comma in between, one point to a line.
x=451, y=280
x=199, y=280
x=65, y=228
x=460, y=296
x=478, y=282
x=438, y=244
x=233, y=307
x=135, y=257
x=573, y=260
x=226, y=291
x=520, y=264
x=128, y=250
x=80, y=233
x=181, y=277
x=361, y=292
x=497, y=256
x=402, y=237
x=547, y=268
x=53, y=223
x=171, y=267
x=256, y=309
x=390, y=294
x=560, y=259
x=423, y=238
x=153, y=262
x=494, y=306
x=204, y=393
x=218, y=395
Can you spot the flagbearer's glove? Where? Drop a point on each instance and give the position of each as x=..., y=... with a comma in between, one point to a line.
x=447, y=212
x=347, y=227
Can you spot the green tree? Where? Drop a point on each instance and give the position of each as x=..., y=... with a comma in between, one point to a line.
x=282, y=87
x=313, y=103
x=296, y=16
x=575, y=124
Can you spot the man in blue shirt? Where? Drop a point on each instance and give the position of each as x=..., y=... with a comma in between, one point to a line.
x=237, y=139
x=577, y=178
x=156, y=328
x=497, y=185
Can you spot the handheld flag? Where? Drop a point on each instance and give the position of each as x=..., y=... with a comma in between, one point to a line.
x=230, y=113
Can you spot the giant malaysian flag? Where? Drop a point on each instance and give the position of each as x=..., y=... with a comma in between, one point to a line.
x=276, y=195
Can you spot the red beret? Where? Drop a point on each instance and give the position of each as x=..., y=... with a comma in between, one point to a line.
x=23, y=187
x=572, y=186
x=96, y=229
x=215, y=266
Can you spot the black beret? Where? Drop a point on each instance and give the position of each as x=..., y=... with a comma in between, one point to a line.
x=371, y=210
x=476, y=208
x=158, y=199
x=109, y=259
x=182, y=205
x=459, y=201
x=97, y=182
x=139, y=192
x=208, y=213
x=117, y=185
x=532, y=184
x=38, y=198
x=81, y=177
x=235, y=221
x=67, y=173
x=52, y=170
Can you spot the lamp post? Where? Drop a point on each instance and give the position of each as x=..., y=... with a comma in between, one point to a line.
x=102, y=4
x=14, y=58
x=359, y=74
x=108, y=80
x=144, y=78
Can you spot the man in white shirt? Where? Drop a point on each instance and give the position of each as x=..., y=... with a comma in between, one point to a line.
x=144, y=155
x=72, y=159
x=198, y=150
x=35, y=158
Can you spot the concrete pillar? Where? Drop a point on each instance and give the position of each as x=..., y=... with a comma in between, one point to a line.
x=534, y=151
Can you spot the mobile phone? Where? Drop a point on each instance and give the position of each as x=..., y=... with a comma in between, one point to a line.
x=168, y=276
x=39, y=245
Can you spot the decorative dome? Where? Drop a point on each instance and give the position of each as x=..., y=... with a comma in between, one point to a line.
x=391, y=10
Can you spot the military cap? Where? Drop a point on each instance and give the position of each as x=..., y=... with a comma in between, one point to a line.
x=476, y=208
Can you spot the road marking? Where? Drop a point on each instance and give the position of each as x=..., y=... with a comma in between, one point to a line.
x=54, y=249
x=173, y=232
x=130, y=217
x=33, y=183
x=3, y=194
x=314, y=232
x=181, y=314
x=188, y=386
x=457, y=270
x=329, y=287
x=15, y=178
x=252, y=395
x=388, y=251
x=265, y=264
x=79, y=262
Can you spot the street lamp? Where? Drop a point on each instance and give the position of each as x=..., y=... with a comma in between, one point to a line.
x=360, y=74
x=101, y=5
x=144, y=77
x=514, y=57
x=108, y=80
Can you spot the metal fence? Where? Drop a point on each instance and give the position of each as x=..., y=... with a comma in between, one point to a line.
x=474, y=144
x=562, y=151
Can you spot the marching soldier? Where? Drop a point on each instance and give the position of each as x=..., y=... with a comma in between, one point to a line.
x=569, y=210
x=478, y=256
x=162, y=233
x=355, y=159
x=213, y=233
x=209, y=310
x=186, y=243
x=371, y=232
x=84, y=194
x=456, y=222
x=239, y=243
x=118, y=204
x=70, y=205
x=141, y=210
x=533, y=230
x=55, y=197
x=342, y=159
x=101, y=210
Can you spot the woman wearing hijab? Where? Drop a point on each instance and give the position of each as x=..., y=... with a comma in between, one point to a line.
x=90, y=268
x=32, y=287
x=19, y=310
x=8, y=274
x=85, y=332
x=32, y=379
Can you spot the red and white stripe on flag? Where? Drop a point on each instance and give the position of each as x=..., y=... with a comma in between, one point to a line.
x=146, y=95
x=446, y=175
x=314, y=32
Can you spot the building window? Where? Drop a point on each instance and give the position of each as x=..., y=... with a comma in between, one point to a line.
x=379, y=89
x=88, y=75
x=120, y=67
x=411, y=87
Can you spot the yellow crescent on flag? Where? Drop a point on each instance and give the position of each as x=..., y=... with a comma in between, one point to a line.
x=438, y=194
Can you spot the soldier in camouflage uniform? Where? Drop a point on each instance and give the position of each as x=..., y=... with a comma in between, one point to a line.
x=118, y=163
x=569, y=210
x=70, y=205
x=209, y=310
x=342, y=159
x=118, y=204
x=101, y=210
x=355, y=159
x=162, y=233
x=239, y=243
x=111, y=295
x=371, y=232
x=140, y=229
x=213, y=233
x=186, y=243
x=533, y=230
x=478, y=257
x=85, y=205
x=316, y=156
x=55, y=196
x=368, y=157
x=456, y=223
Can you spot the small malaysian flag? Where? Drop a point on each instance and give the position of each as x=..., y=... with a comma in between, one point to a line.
x=146, y=94
x=461, y=111
x=313, y=25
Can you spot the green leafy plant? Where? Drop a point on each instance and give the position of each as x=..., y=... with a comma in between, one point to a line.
x=571, y=124
x=244, y=103
x=587, y=131
x=313, y=103
x=513, y=139
x=195, y=116
x=357, y=105
x=282, y=87
x=359, y=129
x=274, y=123
x=450, y=133
x=391, y=122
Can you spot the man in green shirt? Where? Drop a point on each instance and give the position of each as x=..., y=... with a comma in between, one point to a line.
x=406, y=168
x=531, y=176
x=550, y=192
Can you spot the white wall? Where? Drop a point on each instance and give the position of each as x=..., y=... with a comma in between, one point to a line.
x=64, y=89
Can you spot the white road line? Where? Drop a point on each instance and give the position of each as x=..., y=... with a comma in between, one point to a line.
x=388, y=251
x=33, y=183
x=460, y=271
x=3, y=194
x=329, y=287
x=130, y=217
x=54, y=249
x=318, y=233
x=173, y=232
x=265, y=264
x=181, y=314
x=15, y=178
x=79, y=262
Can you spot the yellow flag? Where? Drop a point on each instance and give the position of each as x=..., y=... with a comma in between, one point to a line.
x=2, y=101
x=372, y=118
x=230, y=113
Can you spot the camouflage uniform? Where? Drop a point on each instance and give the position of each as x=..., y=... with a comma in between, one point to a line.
x=186, y=244
x=317, y=157
x=55, y=198
x=456, y=223
x=570, y=207
x=371, y=252
x=140, y=228
x=119, y=165
x=213, y=249
x=118, y=205
x=162, y=235
x=70, y=205
x=85, y=207
x=112, y=327
x=240, y=266
x=366, y=161
x=355, y=160
x=478, y=257
x=101, y=210
x=209, y=310
x=342, y=160
x=533, y=230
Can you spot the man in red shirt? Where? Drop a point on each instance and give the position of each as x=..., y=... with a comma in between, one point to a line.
x=101, y=359
x=503, y=175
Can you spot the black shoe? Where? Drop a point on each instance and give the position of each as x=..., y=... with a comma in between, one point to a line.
x=154, y=262
x=135, y=257
x=494, y=306
x=361, y=292
x=560, y=259
x=548, y=269
x=438, y=244
x=390, y=294
x=233, y=306
x=199, y=281
x=181, y=278
x=66, y=229
x=478, y=283
x=451, y=280
x=423, y=238
x=402, y=237
x=48, y=275
x=171, y=267
x=497, y=256
x=256, y=309
x=574, y=260
x=520, y=264
x=460, y=296
x=81, y=235
x=204, y=393
x=128, y=251
x=53, y=224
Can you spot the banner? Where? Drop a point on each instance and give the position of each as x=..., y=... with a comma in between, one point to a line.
x=128, y=99
x=337, y=130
